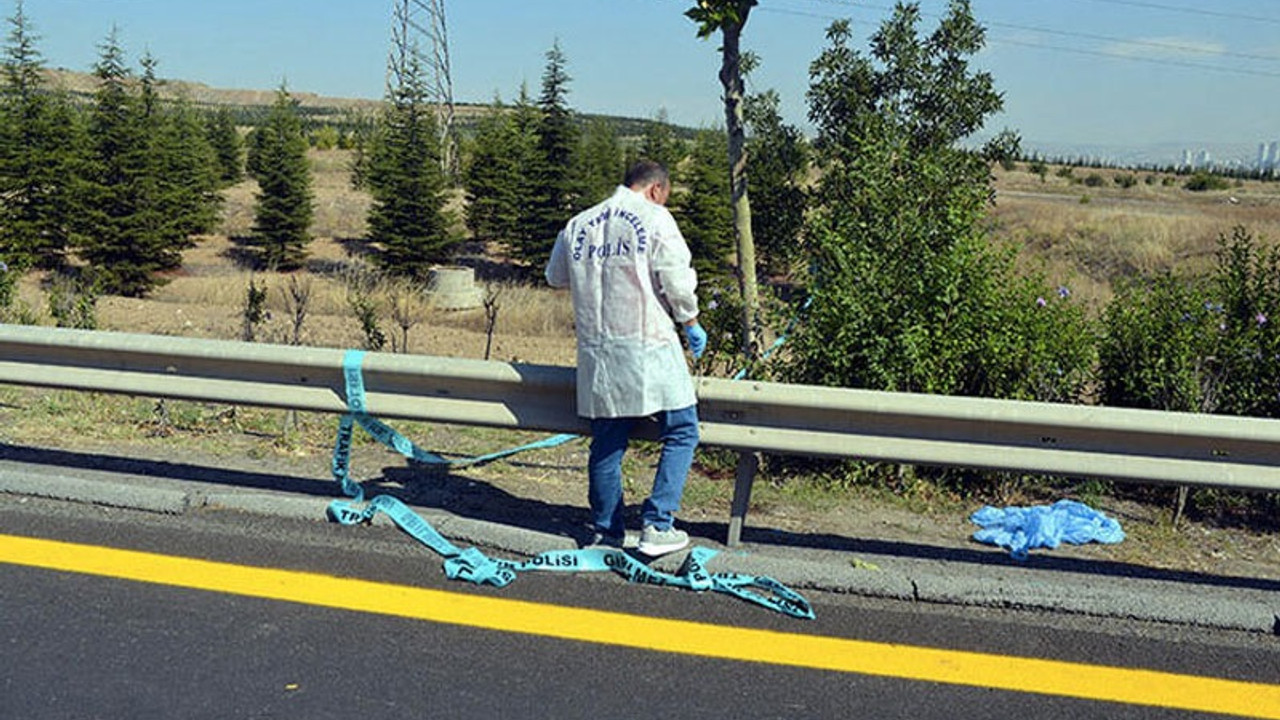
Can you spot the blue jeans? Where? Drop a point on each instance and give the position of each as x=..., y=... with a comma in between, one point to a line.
x=678, y=430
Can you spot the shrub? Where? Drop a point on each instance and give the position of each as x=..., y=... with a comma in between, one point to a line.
x=324, y=137
x=1247, y=281
x=8, y=286
x=12, y=309
x=720, y=305
x=254, y=312
x=1094, y=180
x=961, y=323
x=1202, y=181
x=73, y=301
x=1158, y=333
x=1198, y=343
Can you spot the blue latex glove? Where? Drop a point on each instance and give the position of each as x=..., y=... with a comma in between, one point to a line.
x=697, y=338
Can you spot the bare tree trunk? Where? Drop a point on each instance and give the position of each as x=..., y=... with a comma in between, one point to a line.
x=731, y=80
x=297, y=299
x=492, y=305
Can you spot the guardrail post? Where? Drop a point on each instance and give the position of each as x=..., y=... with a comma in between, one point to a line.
x=748, y=464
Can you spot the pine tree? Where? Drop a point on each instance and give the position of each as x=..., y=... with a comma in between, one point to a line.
x=703, y=208
x=284, y=207
x=558, y=190
x=407, y=217
x=779, y=166
x=189, y=168
x=40, y=147
x=155, y=216
x=360, y=139
x=492, y=176
x=527, y=120
x=660, y=144
x=254, y=143
x=177, y=194
x=225, y=140
x=599, y=161
x=127, y=237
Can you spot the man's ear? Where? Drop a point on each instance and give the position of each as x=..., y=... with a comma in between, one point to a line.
x=655, y=193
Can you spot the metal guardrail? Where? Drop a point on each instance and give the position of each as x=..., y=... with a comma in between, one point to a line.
x=1072, y=440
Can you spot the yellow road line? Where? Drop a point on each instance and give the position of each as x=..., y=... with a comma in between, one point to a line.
x=1047, y=677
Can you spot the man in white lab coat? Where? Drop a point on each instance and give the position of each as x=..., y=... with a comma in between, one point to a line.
x=629, y=273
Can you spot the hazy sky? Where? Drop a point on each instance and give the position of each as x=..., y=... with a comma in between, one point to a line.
x=1110, y=72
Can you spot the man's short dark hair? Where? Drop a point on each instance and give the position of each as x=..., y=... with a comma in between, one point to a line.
x=646, y=172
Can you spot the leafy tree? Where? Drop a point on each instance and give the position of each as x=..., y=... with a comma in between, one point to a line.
x=487, y=179
x=40, y=148
x=703, y=208
x=908, y=294
x=227, y=146
x=284, y=206
x=779, y=168
x=150, y=182
x=407, y=218
x=557, y=187
x=729, y=17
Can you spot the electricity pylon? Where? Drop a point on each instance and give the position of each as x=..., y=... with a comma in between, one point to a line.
x=417, y=25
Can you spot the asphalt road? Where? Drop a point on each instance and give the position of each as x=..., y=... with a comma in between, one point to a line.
x=84, y=644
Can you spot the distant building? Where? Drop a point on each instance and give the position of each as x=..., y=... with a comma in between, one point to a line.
x=1197, y=160
x=1264, y=157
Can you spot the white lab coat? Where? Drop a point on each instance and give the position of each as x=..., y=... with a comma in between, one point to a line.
x=628, y=270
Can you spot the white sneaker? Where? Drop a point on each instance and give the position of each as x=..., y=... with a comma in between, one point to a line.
x=655, y=542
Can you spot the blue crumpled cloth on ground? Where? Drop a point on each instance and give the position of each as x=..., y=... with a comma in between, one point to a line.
x=1024, y=528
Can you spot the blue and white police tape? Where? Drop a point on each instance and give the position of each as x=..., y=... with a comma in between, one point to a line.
x=476, y=567
x=384, y=434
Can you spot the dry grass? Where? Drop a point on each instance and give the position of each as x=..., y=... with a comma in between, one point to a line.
x=1090, y=237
